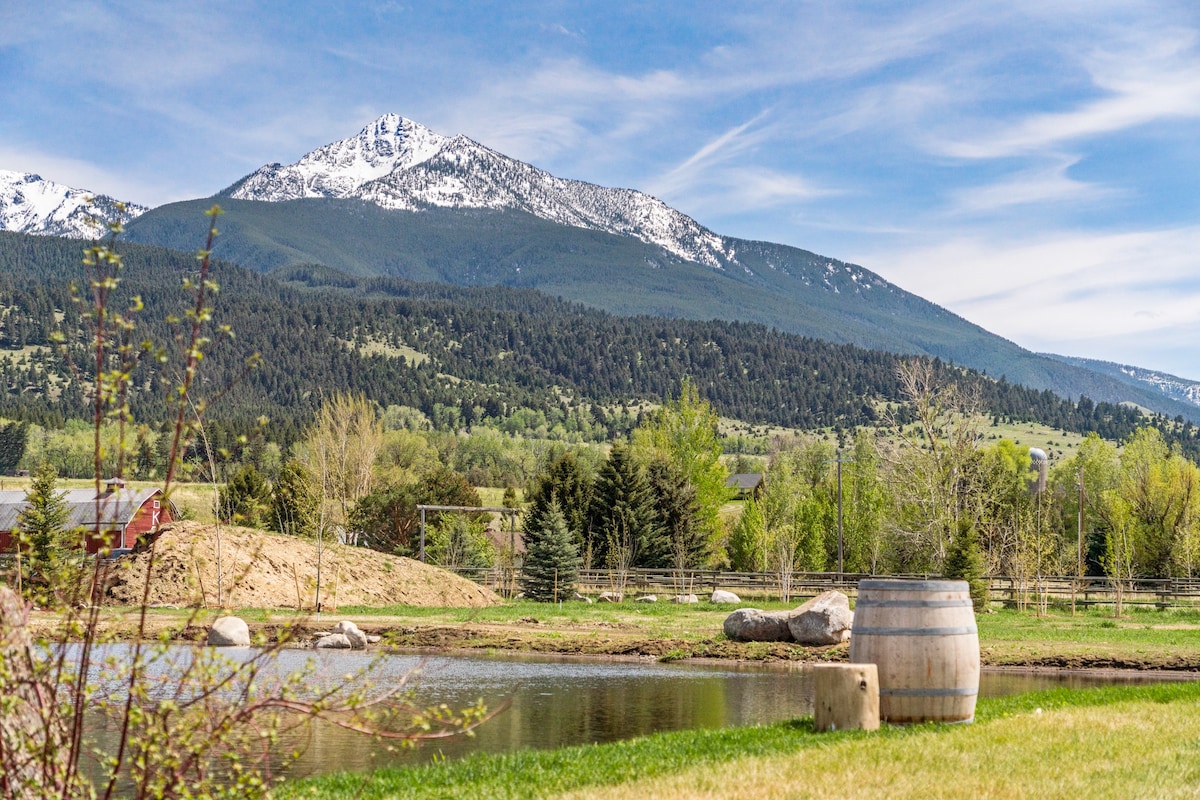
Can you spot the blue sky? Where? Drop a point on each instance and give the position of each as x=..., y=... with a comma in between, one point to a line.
x=1033, y=166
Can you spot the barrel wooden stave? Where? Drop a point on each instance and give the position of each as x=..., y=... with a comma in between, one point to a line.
x=922, y=637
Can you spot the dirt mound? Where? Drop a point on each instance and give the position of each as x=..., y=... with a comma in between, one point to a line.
x=269, y=570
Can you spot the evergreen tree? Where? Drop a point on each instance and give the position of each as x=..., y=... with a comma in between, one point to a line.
x=551, y=559
x=13, y=438
x=964, y=562
x=294, y=504
x=566, y=484
x=678, y=512
x=625, y=530
x=43, y=538
x=245, y=499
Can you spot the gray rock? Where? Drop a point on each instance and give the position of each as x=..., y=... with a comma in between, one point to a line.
x=229, y=632
x=334, y=641
x=610, y=597
x=647, y=598
x=756, y=625
x=357, y=639
x=583, y=598
x=722, y=596
x=825, y=619
x=685, y=598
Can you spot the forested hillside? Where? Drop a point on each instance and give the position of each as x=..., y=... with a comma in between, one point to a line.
x=461, y=355
x=787, y=288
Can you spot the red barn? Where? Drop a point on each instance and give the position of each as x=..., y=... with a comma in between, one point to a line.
x=121, y=515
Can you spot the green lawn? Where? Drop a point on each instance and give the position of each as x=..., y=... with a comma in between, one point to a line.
x=1117, y=742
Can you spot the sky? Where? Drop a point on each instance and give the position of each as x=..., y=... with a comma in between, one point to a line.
x=1030, y=165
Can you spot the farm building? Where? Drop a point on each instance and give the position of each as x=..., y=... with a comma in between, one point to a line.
x=123, y=515
x=745, y=484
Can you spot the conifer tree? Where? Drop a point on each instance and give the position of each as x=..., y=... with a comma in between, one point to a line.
x=245, y=499
x=43, y=536
x=566, y=484
x=678, y=512
x=551, y=559
x=625, y=530
x=294, y=503
x=964, y=562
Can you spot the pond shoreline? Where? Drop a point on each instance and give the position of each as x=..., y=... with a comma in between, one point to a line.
x=623, y=635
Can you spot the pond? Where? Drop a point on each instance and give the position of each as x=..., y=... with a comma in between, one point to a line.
x=558, y=702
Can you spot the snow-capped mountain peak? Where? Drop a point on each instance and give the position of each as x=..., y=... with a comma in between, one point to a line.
x=31, y=204
x=340, y=169
x=399, y=164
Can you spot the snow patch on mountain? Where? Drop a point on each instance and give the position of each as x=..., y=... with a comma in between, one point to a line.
x=399, y=164
x=31, y=204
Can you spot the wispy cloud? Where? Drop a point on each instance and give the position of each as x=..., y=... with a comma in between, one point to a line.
x=1141, y=80
x=1041, y=184
x=1064, y=292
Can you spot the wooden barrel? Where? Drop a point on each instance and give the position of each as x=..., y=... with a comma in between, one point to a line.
x=921, y=636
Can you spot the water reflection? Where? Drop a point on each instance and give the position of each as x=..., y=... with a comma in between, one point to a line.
x=559, y=703
x=556, y=702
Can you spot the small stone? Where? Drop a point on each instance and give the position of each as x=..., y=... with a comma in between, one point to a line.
x=723, y=596
x=647, y=598
x=610, y=597
x=685, y=599
x=229, y=632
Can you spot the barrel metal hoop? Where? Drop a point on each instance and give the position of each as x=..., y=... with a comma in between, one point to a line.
x=955, y=631
x=959, y=691
x=871, y=603
x=914, y=586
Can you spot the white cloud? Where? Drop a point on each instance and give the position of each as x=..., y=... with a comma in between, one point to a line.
x=1141, y=79
x=1047, y=184
x=1072, y=293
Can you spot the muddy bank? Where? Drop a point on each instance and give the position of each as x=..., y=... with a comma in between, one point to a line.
x=627, y=643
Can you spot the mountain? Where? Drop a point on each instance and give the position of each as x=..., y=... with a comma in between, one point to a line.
x=1172, y=386
x=512, y=359
x=398, y=164
x=399, y=200
x=32, y=204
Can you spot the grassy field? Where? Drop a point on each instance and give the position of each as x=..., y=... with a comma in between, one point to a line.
x=1117, y=742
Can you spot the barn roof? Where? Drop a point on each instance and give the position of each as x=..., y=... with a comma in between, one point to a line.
x=116, y=508
x=744, y=481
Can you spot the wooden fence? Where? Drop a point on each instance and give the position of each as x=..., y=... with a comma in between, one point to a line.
x=1048, y=591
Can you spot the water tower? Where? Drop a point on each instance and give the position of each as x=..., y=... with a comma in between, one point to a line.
x=1038, y=461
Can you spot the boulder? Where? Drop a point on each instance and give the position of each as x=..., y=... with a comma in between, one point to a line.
x=583, y=598
x=685, y=598
x=229, y=632
x=610, y=597
x=357, y=639
x=825, y=619
x=722, y=596
x=755, y=625
x=647, y=598
x=334, y=641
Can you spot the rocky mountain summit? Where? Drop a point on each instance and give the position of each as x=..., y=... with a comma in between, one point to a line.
x=32, y=204
x=399, y=164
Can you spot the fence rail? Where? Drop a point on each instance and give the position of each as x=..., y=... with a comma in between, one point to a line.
x=1086, y=591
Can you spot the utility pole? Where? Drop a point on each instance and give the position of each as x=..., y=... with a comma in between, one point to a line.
x=839, y=460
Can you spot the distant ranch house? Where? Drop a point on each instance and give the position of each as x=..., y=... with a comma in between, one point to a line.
x=745, y=484
x=123, y=515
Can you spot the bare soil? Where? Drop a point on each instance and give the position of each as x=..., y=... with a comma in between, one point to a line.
x=258, y=569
